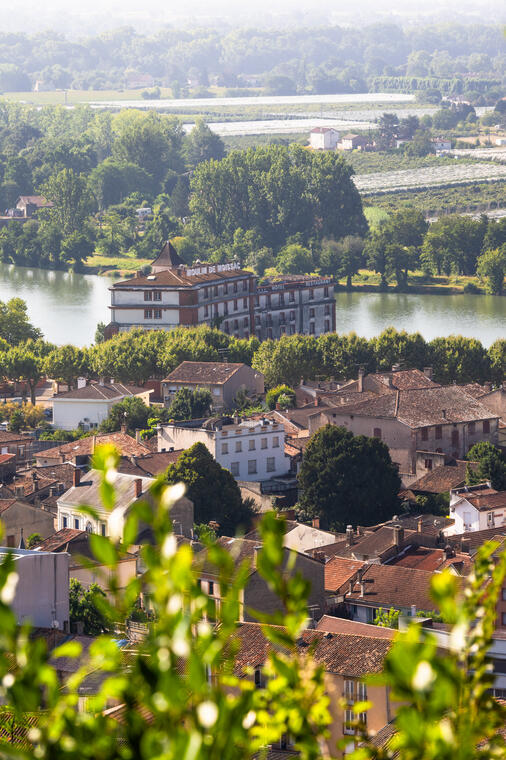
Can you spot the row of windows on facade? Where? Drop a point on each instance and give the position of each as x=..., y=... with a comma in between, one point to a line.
x=236, y=286
x=291, y=297
x=292, y=330
x=438, y=431
x=225, y=308
x=264, y=444
x=156, y=295
x=235, y=467
x=66, y=521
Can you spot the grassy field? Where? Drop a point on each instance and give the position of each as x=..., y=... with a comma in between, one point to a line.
x=418, y=280
x=114, y=264
x=458, y=199
x=371, y=163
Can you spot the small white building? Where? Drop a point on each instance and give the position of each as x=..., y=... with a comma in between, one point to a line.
x=477, y=508
x=89, y=405
x=441, y=145
x=42, y=590
x=323, y=138
x=252, y=450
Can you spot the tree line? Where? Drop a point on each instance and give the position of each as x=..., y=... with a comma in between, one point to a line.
x=318, y=60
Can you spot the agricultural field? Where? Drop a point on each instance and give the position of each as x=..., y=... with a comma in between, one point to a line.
x=382, y=161
x=428, y=177
x=436, y=200
x=489, y=154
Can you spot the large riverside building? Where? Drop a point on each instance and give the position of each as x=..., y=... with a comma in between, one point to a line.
x=221, y=295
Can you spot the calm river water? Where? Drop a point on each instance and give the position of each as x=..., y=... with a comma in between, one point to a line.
x=67, y=308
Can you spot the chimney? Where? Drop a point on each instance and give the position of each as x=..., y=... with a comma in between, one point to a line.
x=398, y=535
x=396, y=367
x=427, y=371
x=315, y=522
x=256, y=552
x=316, y=401
x=362, y=589
x=19, y=490
x=349, y=535
x=138, y=487
x=138, y=435
x=123, y=429
x=76, y=477
x=361, y=373
x=448, y=551
x=419, y=525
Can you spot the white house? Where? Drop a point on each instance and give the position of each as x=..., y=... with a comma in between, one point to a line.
x=42, y=590
x=477, y=508
x=128, y=489
x=252, y=450
x=89, y=405
x=441, y=145
x=323, y=138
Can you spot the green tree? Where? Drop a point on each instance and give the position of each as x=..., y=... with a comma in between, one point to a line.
x=14, y=324
x=72, y=201
x=76, y=248
x=66, y=364
x=346, y=479
x=342, y=258
x=34, y=539
x=399, y=347
x=190, y=404
x=342, y=355
x=260, y=260
x=491, y=267
x=202, y=144
x=288, y=359
x=497, y=360
x=84, y=608
x=21, y=365
x=197, y=469
x=131, y=412
x=274, y=395
x=458, y=359
x=491, y=465
x=294, y=259
x=387, y=618
x=16, y=421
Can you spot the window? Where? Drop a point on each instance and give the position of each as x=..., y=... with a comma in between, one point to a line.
x=486, y=426
x=259, y=681
x=349, y=690
x=439, y=432
x=490, y=519
x=157, y=295
x=245, y=303
x=206, y=292
x=425, y=434
x=157, y=313
x=215, y=290
x=206, y=310
x=148, y=295
x=224, y=448
x=292, y=330
x=275, y=442
x=281, y=299
x=271, y=464
x=236, y=324
x=377, y=433
x=252, y=466
x=246, y=320
x=76, y=523
x=210, y=588
x=252, y=445
x=269, y=301
x=291, y=296
x=235, y=304
x=311, y=313
x=234, y=468
x=327, y=309
x=311, y=294
x=455, y=437
x=225, y=288
x=215, y=309
x=282, y=330
x=361, y=692
x=65, y=521
x=102, y=528
x=327, y=325
x=238, y=446
x=326, y=291
x=245, y=284
x=292, y=316
x=504, y=594
x=428, y=464
x=263, y=443
x=311, y=329
x=235, y=287
x=504, y=618
x=148, y=313
x=269, y=333
x=471, y=427
x=11, y=540
x=257, y=320
x=257, y=300
x=349, y=717
x=225, y=308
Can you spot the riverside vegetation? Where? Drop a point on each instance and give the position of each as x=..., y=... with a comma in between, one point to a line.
x=170, y=704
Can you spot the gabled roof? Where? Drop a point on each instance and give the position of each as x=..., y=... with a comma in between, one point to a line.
x=168, y=257
x=149, y=465
x=35, y=200
x=392, y=586
x=101, y=392
x=60, y=539
x=342, y=654
x=194, y=373
x=178, y=278
x=88, y=491
x=85, y=446
x=4, y=458
x=338, y=570
x=5, y=504
x=7, y=437
x=405, y=379
x=486, y=499
x=332, y=624
x=432, y=560
x=442, y=479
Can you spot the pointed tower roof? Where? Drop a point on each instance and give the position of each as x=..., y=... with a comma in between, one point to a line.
x=167, y=258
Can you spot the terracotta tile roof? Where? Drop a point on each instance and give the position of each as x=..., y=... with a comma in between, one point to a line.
x=5, y=504
x=149, y=465
x=486, y=499
x=338, y=570
x=241, y=549
x=431, y=560
x=392, y=586
x=6, y=436
x=178, y=278
x=332, y=624
x=420, y=408
x=84, y=446
x=217, y=373
x=475, y=538
x=60, y=539
x=442, y=479
x=406, y=379
x=99, y=392
x=370, y=545
x=474, y=389
x=342, y=654
x=88, y=491
x=4, y=458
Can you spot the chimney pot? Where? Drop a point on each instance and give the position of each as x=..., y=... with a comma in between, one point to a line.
x=138, y=487
x=419, y=525
x=315, y=522
x=361, y=373
x=349, y=535
x=76, y=477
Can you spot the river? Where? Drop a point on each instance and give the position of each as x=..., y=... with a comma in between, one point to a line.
x=67, y=308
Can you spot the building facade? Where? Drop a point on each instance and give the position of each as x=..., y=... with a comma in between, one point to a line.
x=223, y=380
x=90, y=405
x=323, y=138
x=249, y=449
x=223, y=296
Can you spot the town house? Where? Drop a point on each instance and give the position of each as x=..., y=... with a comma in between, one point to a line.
x=477, y=508
x=222, y=379
x=89, y=405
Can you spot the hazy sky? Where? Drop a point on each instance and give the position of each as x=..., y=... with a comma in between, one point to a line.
x=94, y=16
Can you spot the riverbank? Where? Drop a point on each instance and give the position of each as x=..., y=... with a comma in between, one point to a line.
x=418, y=282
